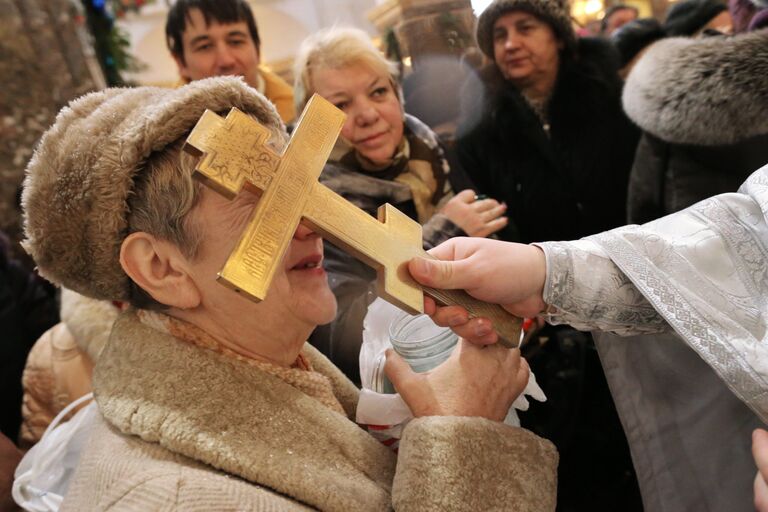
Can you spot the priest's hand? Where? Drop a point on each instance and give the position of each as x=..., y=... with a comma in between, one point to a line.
x=503, y=273
x=475, y=381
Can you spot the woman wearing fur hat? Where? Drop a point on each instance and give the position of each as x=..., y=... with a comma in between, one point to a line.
x=544, y=132
x=382, y=156
x=208, y=401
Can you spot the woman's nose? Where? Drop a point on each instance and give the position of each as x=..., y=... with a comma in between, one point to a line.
x=304, y=233
x=366, y=115
x=511, y=42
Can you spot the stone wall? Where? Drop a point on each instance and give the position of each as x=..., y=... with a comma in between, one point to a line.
x=45, y=61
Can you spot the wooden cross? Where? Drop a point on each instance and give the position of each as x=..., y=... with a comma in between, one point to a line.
x=236, y=153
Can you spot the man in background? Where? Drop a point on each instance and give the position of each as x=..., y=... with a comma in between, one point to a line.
x=219, y=37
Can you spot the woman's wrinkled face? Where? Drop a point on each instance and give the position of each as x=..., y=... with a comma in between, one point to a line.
x=374, y=124
x=299, y=290
x=525, y=49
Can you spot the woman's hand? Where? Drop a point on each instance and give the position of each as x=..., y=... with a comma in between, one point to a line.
x=480, y=217
x=497, y=272
x=474, y=381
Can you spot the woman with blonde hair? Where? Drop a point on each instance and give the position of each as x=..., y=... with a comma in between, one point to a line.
x=382, y=156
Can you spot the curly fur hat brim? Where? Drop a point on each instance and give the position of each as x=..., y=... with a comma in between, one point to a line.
x=711, y=91
x=79, y=180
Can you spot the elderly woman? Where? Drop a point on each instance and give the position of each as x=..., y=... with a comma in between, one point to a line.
x=209, y=401
x=383, y=156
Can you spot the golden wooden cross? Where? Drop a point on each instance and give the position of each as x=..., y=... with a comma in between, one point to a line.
x=236, y=153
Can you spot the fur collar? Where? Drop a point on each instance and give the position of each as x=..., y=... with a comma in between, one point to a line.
x=240, y=420
x=711, y=91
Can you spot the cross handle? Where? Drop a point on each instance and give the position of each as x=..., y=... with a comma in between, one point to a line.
x=507, y=325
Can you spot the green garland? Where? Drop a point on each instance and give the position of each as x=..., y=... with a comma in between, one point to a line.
x=111, y=43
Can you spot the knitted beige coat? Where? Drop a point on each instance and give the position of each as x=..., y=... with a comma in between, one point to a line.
x=187, y=429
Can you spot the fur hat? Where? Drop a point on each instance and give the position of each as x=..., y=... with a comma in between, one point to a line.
x=687, y=17
x=553, y=12
x=82, y=174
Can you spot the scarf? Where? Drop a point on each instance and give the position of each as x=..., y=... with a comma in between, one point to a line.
x=300, y=375
x=418, y=162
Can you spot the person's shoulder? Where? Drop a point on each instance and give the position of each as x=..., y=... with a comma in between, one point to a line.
x=280, y=93
x=275, y=86
x=599, y=55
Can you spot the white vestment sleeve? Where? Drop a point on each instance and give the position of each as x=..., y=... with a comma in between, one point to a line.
x=586, y=290
x=704, y=270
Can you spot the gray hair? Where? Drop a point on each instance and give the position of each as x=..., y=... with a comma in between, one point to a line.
x=164, y=194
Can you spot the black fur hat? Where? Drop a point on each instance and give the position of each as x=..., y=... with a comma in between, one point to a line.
x=687, y=17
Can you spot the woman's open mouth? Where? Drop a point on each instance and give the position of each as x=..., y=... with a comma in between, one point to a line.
x=313, y=262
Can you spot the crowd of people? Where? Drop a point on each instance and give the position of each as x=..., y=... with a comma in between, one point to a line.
x=207, y=400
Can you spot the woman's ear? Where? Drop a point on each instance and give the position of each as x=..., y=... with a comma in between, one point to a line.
x=160, y=269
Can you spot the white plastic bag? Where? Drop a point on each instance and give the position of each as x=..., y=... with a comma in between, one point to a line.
x=43, y=475
x=385, y=415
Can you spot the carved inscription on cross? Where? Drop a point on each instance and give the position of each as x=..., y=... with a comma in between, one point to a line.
x=236, y=153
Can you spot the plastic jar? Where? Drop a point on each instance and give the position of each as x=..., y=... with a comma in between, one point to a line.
x=420, y=342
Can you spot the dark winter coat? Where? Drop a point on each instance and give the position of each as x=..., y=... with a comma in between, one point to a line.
x=27, y=309
x=562, y=187
x=352, y=281
x=565, y=186
x=703, y=104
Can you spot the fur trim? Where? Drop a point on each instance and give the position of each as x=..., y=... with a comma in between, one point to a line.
x=236, y=418
x=522, y=465
x=711, y=91
x=79, y=180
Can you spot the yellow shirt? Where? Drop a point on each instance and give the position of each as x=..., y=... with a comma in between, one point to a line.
x=277, y=90
x=280, y=93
